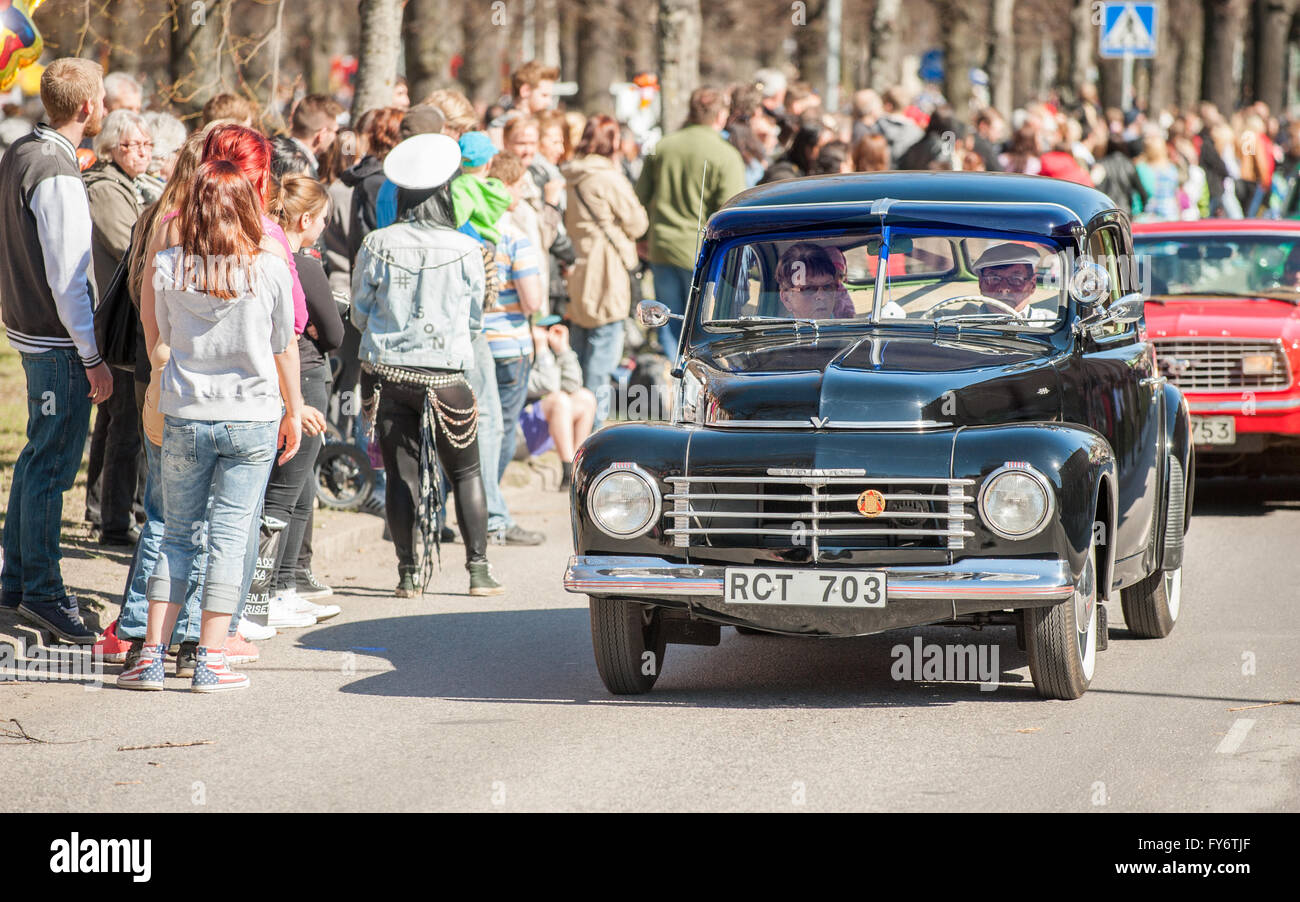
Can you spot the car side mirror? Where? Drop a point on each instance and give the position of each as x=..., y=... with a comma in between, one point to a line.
x=653, y=314
x=1128, y=309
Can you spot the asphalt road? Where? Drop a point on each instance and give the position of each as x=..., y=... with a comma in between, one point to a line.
x=453, y=703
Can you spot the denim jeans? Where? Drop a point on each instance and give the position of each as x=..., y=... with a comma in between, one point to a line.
x=483, y=379
x=135, y=606
x=600, y=351
x=512, y=389
x=58, y=420
x=230, y=460
x=672, y=289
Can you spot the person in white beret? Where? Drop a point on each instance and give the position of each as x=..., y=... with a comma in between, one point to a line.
x=418, y=287
x=1007, y=273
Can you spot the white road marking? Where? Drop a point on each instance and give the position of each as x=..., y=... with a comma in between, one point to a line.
x=1236, y=736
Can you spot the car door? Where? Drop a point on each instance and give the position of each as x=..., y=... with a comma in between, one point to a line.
x=1121, y=399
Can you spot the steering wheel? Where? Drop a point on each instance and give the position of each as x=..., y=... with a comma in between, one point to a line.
x=976, y=299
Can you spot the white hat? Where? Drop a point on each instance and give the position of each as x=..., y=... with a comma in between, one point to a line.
x=422, y=162
x=1008, y=254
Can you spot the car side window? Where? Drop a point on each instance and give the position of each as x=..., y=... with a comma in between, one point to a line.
x=1104, y=248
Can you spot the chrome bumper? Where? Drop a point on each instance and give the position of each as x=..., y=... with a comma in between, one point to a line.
x=979, y=579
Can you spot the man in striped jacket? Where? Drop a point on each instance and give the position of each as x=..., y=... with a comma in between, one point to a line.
x=47, y=295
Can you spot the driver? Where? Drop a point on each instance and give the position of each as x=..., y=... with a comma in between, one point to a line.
x=811, y=285
x=810, y=279
x=1007, y=274
x=1291, y=270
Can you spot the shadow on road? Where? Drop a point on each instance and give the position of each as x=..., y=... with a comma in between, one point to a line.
x=1230, y=496
x=545, y=656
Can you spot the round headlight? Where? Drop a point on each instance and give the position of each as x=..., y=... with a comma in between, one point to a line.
x=1016, y=502
x=624, y=503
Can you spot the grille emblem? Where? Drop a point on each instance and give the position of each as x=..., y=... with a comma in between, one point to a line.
x=871, y=503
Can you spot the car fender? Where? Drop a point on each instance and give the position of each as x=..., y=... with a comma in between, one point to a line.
x=1077, y=462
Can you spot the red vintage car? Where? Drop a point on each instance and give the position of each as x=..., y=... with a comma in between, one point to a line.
x=1222, y=313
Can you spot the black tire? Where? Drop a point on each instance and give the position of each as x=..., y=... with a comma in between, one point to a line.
x=344, y=477
x=628, y=643
x=1151, y=606
x=1061, y=658
x=750, y=631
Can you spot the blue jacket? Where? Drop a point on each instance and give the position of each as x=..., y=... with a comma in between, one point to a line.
x=417, y=293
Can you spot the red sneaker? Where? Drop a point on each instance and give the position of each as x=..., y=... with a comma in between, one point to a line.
x=111, y=647
x=240, y=651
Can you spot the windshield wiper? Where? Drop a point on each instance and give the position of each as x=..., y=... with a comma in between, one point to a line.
x=992, y=319
x=761, y=322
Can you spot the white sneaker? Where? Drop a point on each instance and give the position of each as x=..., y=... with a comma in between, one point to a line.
x=300, y=605
x=255, y=632
x=281, y=613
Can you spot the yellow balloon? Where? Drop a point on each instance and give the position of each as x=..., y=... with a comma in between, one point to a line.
x=20, y=41
x=29, y=80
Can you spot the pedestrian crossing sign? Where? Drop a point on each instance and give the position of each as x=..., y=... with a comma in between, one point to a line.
x=1128, y=29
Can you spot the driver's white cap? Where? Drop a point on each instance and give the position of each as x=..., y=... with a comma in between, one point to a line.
x=422, y=162
x=1008, y=254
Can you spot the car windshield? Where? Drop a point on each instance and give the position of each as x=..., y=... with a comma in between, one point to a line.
x=922, y=276
x=1227, y=265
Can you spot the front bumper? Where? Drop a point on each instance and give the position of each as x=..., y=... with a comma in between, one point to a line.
x=1014, y=581
x=1255, y=415
x=916, y=595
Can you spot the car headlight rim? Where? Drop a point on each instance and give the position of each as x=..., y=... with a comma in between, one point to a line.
x=653, y=496
x=1042, y=483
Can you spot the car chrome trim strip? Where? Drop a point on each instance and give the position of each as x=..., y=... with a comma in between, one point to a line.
x=805, y=425
x=991, y=579
x=1239, y=406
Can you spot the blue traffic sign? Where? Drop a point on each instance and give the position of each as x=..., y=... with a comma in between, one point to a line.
x=1128, y=29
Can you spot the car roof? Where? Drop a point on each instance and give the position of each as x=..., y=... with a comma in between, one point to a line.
x=993, y=200
x=1217, y=226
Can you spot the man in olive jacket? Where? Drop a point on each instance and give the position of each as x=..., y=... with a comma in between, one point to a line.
x=670, y=189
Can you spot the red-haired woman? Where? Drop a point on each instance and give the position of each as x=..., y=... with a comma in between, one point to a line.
x=604, y=219
x=229, y=395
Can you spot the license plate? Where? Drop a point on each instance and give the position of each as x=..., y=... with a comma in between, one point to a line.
x=1214, y=430
x=813, y=588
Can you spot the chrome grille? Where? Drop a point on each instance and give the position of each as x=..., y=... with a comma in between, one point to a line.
x=818, y=507
x=1215, y=364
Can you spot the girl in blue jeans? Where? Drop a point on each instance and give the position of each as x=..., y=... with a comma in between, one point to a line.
x=229, y=397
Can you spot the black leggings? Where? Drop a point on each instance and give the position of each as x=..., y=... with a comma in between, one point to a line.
x=291, y=489
x=397, y=426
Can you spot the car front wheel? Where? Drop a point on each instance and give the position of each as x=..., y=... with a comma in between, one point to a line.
x=1061, y=641
x=1151, y=606
x=629, y=644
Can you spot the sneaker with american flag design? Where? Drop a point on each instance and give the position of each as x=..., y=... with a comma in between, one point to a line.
x=147, y=672
x=213, y=674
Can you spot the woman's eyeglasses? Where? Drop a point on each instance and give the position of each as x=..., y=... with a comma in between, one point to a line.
x=136, y=146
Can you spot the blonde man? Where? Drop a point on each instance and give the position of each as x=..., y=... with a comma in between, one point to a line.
x=48, y=297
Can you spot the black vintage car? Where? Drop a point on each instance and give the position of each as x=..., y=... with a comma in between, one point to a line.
x=902, y=399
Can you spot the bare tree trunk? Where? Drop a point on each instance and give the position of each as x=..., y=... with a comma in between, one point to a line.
x=485, y=33
x=1164, y=68
x=887, y=50
x=1272, y=29
x=548, y=32
x=428, y=42
x=598, y=56
x=1001, y=46
x=199, y=59
x=1083, y=42
x=1225, y=21
x=316, y=55
x=125, y=31
x=381, y=25
x=639, y=25
x=810, y=45
x=1187, y=23
x=956, y=17
x=680, y=32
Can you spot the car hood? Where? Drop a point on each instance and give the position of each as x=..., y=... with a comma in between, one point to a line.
x=875, y=381
x=1209, y=317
